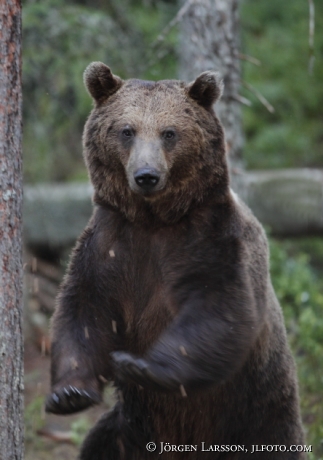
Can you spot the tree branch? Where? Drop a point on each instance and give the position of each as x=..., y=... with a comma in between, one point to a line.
x=311, y=35
x=261, y=98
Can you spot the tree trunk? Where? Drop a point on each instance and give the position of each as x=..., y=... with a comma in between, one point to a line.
x=210, y=41
x=11, y=341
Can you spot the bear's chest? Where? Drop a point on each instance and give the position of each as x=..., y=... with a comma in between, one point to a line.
x=144, y=271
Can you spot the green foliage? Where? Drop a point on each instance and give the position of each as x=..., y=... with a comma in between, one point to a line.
x=34, y=420
x=300, y=292
x=79, y=429
x=59, y=40
x=277, y=33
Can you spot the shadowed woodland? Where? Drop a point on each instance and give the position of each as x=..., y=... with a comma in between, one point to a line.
x=280, y=98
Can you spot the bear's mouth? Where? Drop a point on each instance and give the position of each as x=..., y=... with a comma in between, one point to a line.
x=148, y=194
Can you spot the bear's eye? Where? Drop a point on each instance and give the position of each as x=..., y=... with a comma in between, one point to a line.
x=127, y=133
x=169, y=134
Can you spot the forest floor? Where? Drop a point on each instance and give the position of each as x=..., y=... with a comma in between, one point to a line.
x=49, y=436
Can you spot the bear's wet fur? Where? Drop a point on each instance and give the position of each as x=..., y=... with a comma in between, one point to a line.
x=168, y=292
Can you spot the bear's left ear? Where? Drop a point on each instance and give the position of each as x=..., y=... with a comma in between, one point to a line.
x=100, y=82
x=206, y=89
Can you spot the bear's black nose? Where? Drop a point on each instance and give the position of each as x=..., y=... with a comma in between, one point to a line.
x=146, y=178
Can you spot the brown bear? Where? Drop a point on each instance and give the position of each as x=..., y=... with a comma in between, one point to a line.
x=168, y=292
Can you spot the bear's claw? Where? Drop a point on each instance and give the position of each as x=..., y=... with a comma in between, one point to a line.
x=70, y=399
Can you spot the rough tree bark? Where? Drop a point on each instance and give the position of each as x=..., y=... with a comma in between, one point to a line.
x=210, y=41
x=11, y=342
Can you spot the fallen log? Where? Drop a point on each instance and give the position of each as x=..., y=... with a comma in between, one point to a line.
x=289, y=202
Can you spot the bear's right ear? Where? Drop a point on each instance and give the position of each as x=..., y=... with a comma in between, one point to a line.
x=100, y=82
x=206, y=89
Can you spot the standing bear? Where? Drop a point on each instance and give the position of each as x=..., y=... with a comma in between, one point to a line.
x=168, y=292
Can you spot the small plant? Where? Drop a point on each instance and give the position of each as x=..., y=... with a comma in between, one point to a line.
x=79, y=428
x=34, y=420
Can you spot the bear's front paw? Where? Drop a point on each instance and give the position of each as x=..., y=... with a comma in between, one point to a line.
x=69, y=399
x=140, y=371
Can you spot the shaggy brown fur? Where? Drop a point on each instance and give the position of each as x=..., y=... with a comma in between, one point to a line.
x=168, y=291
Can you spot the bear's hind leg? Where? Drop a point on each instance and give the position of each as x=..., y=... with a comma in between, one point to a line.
x=113, y=438
x=102, y=441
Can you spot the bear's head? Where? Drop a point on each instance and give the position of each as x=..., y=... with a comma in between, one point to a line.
x=154, y=148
